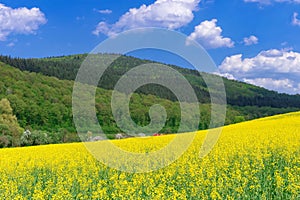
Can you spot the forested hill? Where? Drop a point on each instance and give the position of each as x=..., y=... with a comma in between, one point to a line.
x=238, y=93
x=44, y=103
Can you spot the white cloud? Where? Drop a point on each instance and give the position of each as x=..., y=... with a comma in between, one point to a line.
x=280, y=61
x=103, y=27
x=270, y=69
x=226, y=75
x=281, y=85
x=106, y=11
x=235, y=65
x=208, y=34
x=295, y=20
x=78, y=18
x=19, y=21
x=250, y=40
x=170, y=14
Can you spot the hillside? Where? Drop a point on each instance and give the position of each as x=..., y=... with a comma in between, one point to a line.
x=44, y=103
x=238, y=93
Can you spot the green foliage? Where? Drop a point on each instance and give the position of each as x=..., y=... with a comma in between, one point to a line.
x=238, y=93
x=5, y=141
x=44, y=103
x=238, y=119
x=38, y=137
x=35, y=138
x=10, y=130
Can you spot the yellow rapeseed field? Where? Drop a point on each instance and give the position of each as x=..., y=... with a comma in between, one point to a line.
x=259, y=159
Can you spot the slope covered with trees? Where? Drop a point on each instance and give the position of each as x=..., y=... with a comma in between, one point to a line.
x=238, y=93
x=42, y=104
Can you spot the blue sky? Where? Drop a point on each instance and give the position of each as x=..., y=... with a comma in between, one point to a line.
x=256, y=41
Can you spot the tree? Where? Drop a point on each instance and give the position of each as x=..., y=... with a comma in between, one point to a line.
x=10, y=130
x=238, y=119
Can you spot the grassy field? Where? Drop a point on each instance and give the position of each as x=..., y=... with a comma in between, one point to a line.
x=259, y=159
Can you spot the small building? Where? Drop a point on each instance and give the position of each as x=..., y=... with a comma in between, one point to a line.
x=141, y=135
x=156, y=134
x=119, y=136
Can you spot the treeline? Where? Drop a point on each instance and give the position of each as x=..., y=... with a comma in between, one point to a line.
x=12, y=134
x=238, y=93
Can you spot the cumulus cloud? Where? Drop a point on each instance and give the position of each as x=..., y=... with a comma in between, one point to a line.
x=295, y=20
x=226, y=75
x=283, y=85
x=102, y=27
x=274, y=60
x=208, y=34
x=250, y=40
x=19, y=21
x=170, y=14
x=274, y=69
